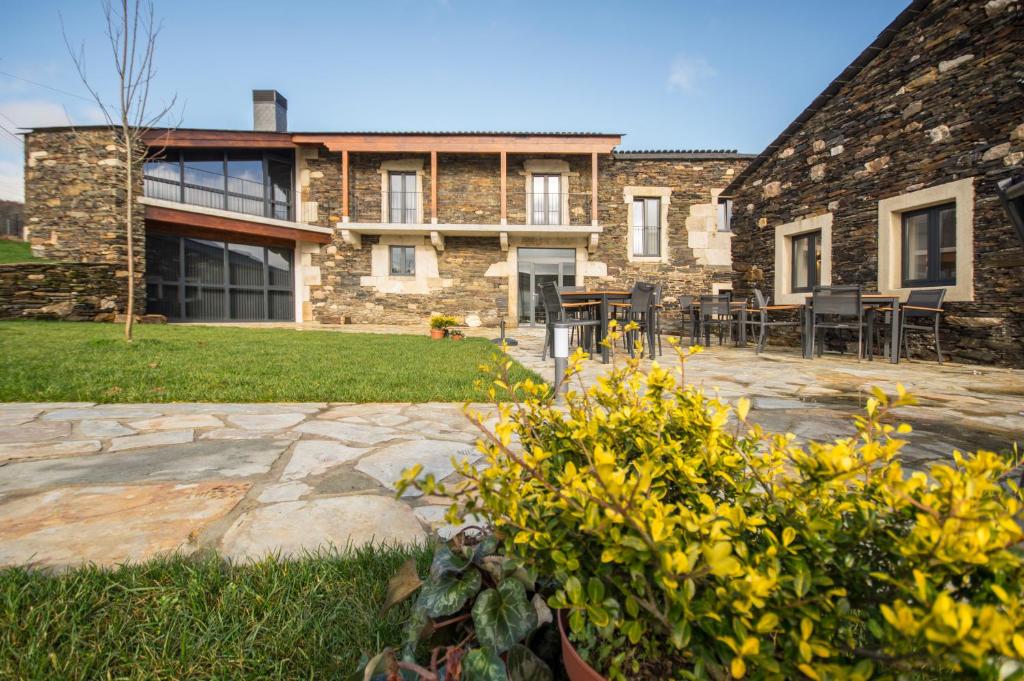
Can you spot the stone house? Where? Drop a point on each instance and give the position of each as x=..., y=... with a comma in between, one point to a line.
x=361, y=227
x=888, y=179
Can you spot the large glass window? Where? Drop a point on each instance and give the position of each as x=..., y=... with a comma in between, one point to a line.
x=242, y=181
x=403, y=260
x=647, y=227
x=402, y=198
x=546, y=200
x=203, y=279
x=929, y=246
x=806, y=263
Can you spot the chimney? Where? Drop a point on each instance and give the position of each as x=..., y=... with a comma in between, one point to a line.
x=269, y=111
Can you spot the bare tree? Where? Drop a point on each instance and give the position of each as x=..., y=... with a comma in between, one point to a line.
x=131, y=30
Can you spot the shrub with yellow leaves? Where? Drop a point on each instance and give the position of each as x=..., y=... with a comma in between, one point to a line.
x=690, y=543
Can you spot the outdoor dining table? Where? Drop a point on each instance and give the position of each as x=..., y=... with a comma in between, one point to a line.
x=605, y=297
x=871, y=302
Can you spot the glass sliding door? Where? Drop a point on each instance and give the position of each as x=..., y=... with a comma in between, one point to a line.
x=539, y=266
x=190, y=279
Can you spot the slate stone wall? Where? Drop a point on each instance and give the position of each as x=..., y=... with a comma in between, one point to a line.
x=469, y=191
x=71, y=291
x=941, y=103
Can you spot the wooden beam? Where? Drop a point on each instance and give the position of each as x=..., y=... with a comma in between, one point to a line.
x=504, y=188
x=468, y=144
x=170, y=216
x=593, y=188
x=433, y=190
x=344, y=185
x=217, y=139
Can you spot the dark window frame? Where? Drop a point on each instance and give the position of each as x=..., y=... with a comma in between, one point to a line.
x=183, y=283
x=640, y=252
x=813, y=240
x=404, y=210
x=271, y=206
x=934, y=241
x=408, y=258
x=551, y=204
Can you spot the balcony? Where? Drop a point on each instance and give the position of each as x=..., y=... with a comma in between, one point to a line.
x=468, y=213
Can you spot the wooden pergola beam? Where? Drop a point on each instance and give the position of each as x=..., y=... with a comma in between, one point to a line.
x=466, y=144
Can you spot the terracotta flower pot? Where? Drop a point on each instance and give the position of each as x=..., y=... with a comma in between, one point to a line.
x=437, y=334
x=576, y=668
x=457, y=336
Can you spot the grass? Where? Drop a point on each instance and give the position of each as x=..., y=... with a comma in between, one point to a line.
x=81, y=361
x=15, y=251
x=200, y=618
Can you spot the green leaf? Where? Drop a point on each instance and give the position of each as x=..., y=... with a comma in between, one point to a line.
x=574, y=590
x=483, y=664
x=487, y=546
x=448, y=594
x=523, y=665
x=402, y=585
x=446, y=562
x=595, y=589
x=503, y=616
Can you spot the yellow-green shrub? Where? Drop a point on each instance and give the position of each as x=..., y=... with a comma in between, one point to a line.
x=692, y=544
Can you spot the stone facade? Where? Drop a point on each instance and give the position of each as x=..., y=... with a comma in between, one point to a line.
x=939, y=104
x=473, y=271
x=72, y=291
x=75, y=201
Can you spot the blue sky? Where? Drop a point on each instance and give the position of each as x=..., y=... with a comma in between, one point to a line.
x=684, y=74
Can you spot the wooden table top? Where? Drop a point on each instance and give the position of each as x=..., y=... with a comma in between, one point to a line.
x=594, y=293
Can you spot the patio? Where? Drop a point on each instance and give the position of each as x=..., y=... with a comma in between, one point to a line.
x=109, y=483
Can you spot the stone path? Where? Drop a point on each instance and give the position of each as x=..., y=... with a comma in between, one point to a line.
x=113, y=483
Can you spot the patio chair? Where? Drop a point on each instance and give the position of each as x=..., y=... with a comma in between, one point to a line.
x=640, y=309
x=501, y=308
x=557, y=311
x=923, y=305
x=837, y=308
x=688, y=317
x=759, y=319
x=716, y=312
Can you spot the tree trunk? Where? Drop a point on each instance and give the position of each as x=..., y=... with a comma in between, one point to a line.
x=129, y=241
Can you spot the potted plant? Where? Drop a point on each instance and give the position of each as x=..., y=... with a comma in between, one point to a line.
x=477, y=615
x=439, y=325
x=456, y=334
x=688, y=543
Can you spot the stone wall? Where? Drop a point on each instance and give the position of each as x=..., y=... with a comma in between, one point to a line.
x=72, y=291
x=942, y=102
x=469, y=191
x=75, y=201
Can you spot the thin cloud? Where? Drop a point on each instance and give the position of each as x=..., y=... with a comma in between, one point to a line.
x=686, y=73
x=12, y=186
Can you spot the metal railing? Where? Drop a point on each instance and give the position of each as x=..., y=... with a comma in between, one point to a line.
x=471, y=207
x=235, y=194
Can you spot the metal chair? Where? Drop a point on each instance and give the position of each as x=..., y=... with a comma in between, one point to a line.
x=762, y=322
x=501, y=307
x=716, y=311
x=926, y=305
x=640, y=309
x=835, y=308
x=688, y=316
x=556, y=311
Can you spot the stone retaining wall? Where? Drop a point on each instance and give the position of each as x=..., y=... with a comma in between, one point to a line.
x=71, y=291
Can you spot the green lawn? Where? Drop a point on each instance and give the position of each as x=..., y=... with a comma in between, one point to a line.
x=81, y=361
x=201, y=619
x=15, y=251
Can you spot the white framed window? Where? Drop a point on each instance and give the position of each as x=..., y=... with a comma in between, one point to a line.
x=723, y=218
x=926, y=240
x=401, y=191
x=803, y=258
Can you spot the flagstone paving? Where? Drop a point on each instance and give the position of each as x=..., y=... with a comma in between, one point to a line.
x=114, y=483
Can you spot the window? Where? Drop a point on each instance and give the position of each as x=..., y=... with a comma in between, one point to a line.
x=403, y=260
x=724, y=219
x=241, y=181
x=929, y=246
x=806, y=262
x=546, y=200
x=402, y=197
x=647, y=227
